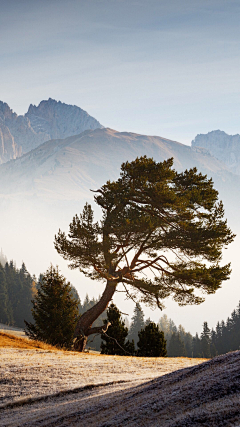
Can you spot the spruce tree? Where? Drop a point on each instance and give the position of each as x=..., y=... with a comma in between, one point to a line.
x=24, y=291
x=168, y=327
x=55, y=311
x=213, y=349
x=197, y=348
x=151, y=342
x=137, y=324
x=188, y=343
x=206, y=341
x=3, y=258
x=114, y=341
x=6, y=315
x=176, y=346
x=20, y=289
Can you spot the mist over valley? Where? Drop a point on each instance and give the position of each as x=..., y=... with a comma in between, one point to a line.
x=46, y=185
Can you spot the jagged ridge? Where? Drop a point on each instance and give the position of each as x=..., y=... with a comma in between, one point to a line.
x=224, y=147
x=51, y=119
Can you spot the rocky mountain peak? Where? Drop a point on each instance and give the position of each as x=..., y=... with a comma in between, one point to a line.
x=51, y=119
x=60, y=120
x=6, y=112
x=224, y=147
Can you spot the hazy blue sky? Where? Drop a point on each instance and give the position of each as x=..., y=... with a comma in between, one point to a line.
x=168, y=68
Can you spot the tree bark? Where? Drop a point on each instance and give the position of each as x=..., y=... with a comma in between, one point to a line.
x=84, y=325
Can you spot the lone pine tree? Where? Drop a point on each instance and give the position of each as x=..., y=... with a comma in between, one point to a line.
x=154, y=219
x=55, y=311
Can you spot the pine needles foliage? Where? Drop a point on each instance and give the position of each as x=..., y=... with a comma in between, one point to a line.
x=151, y=342
x=161, y=235
x=176, y=346
x=114, y=341
x=55, y=311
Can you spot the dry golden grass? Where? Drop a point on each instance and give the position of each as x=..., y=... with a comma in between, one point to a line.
x=11, y=341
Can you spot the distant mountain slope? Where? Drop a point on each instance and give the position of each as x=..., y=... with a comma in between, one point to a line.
x=66, y=169
x=224, y=147
x=49, y=120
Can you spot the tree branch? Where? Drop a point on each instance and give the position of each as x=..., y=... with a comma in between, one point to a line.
x=99, y=329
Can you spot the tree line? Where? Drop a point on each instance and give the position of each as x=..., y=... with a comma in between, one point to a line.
x=224, y=338
x=18, y=289
x=179, y=343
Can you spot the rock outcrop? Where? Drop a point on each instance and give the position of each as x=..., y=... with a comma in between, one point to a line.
x=224, y=147
x=49, y=120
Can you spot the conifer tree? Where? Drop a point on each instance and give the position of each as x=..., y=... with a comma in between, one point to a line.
x=19, y=287
x=24, y=294
x=151, y=342
x=114, y=341
x=137, y=324
x=197, y=348
x=187, y=339
x=176, y=346
x=55, y=311
x=161, y=235
x=6, y=315
x=168, y=327
x=147, y=321
x=213, y=349
x=206, y=341
x=3, y=258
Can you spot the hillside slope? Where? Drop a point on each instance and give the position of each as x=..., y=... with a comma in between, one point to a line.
x=203, y=395
x=65, y=169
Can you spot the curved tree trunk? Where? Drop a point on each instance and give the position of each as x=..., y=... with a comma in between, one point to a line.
x=84, y=325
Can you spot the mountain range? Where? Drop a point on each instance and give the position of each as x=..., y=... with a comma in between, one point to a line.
x=58, y=152
x=65, y=169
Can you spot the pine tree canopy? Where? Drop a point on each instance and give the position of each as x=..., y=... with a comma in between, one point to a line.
x=151, y=342
x=137, y=323
x=55, y=311
x=114, y=341
x=158, y=221
x=176, y=346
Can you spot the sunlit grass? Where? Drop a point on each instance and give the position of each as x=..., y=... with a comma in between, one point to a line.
x=11, y=341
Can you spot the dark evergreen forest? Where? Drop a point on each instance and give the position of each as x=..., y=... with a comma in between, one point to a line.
x=17, y=289
x=224, y=338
